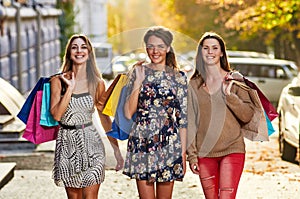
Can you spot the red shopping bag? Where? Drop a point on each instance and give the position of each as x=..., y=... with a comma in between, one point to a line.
x=267, y=105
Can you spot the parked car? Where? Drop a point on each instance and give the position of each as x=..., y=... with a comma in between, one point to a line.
x=249, y=54
x=270, y=75
x=289, y=120
x=122, y=64
x=186, y=65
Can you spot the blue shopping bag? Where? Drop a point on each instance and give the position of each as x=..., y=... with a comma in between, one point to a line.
x=46, y=117
x=25, y=110
x=271, y=129
x=121, y=126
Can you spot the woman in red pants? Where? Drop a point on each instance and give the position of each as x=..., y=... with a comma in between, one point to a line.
x=216, y=110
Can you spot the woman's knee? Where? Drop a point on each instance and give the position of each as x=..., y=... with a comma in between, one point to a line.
x=74, y=193
x=209, y=182
x=228, y=192
x=145, y=189
x=164, y=190
x=91, y=192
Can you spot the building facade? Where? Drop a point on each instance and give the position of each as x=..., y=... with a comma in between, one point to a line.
x=29, y=43
x=91, y=18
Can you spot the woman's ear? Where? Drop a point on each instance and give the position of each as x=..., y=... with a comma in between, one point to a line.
x=168, y=49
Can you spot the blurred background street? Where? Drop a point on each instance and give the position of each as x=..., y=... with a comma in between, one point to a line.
x=263, y=43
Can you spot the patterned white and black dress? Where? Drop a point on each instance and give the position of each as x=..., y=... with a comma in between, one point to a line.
x=79, y=155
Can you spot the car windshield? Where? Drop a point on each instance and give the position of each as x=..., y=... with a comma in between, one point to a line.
x=294, y=70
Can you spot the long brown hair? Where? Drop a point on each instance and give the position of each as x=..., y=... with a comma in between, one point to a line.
x=167, y=37
x=200, y=69
x=92, y=71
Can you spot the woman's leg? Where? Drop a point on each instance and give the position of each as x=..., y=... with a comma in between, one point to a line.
x=91, y=192
x=209, y=176
x=145, y=189
x=74, y=193
x=231, y=168
x=164, y=190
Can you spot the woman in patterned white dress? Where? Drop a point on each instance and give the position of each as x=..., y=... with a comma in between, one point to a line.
x=157, y=94
x=79, y=155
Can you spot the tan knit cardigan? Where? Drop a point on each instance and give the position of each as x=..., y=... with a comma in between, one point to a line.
x=214, y=121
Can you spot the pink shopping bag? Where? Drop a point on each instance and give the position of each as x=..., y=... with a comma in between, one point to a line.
x=34, y=132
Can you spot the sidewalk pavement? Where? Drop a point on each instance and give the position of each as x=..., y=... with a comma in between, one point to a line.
x=35, y=184
x=265, y=176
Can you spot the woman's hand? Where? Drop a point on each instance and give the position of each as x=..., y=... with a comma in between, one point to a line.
x=195, y=168
x=227, y=84
x=184, y=163
x=140, y=73
x=130, y=106
x=69, y=81
x=60, y=103
x=120, y=160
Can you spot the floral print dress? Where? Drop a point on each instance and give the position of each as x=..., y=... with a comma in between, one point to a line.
x=154, y=145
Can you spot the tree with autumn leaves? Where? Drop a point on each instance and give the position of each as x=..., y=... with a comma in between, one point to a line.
x=258, y=25
x=277, y=22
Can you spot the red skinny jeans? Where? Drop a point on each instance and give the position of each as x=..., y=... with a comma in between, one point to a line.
x=220, y=176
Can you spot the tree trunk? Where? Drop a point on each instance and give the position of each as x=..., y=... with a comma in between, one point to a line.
x=296, y=41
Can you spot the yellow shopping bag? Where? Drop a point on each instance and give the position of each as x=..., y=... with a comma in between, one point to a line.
x=113, y=100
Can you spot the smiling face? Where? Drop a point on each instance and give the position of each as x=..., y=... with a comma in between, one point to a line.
x=157, y=50
x=211, y=51
x=79, y=51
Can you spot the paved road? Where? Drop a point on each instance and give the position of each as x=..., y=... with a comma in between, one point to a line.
x=265, y=176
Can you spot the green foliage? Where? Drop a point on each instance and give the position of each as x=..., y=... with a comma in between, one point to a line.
x=194, y=17
x=244, y=24
x=185, y=17
x=275, y=23
x=66, y=22
x=266, y=15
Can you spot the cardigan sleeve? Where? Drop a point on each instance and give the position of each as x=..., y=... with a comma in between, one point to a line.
x=193, y=124
x=239, y=102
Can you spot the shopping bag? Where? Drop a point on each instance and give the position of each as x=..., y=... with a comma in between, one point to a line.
x=121, y=126
x=25, y=110
x=117, y=132
x=34, y=132
x=113, y=100
x=46, y=117
x=256, y=129
x=267, y=105
x=106, y=95
x=271, y=129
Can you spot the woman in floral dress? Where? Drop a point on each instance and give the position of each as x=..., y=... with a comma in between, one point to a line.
x=157, y=95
